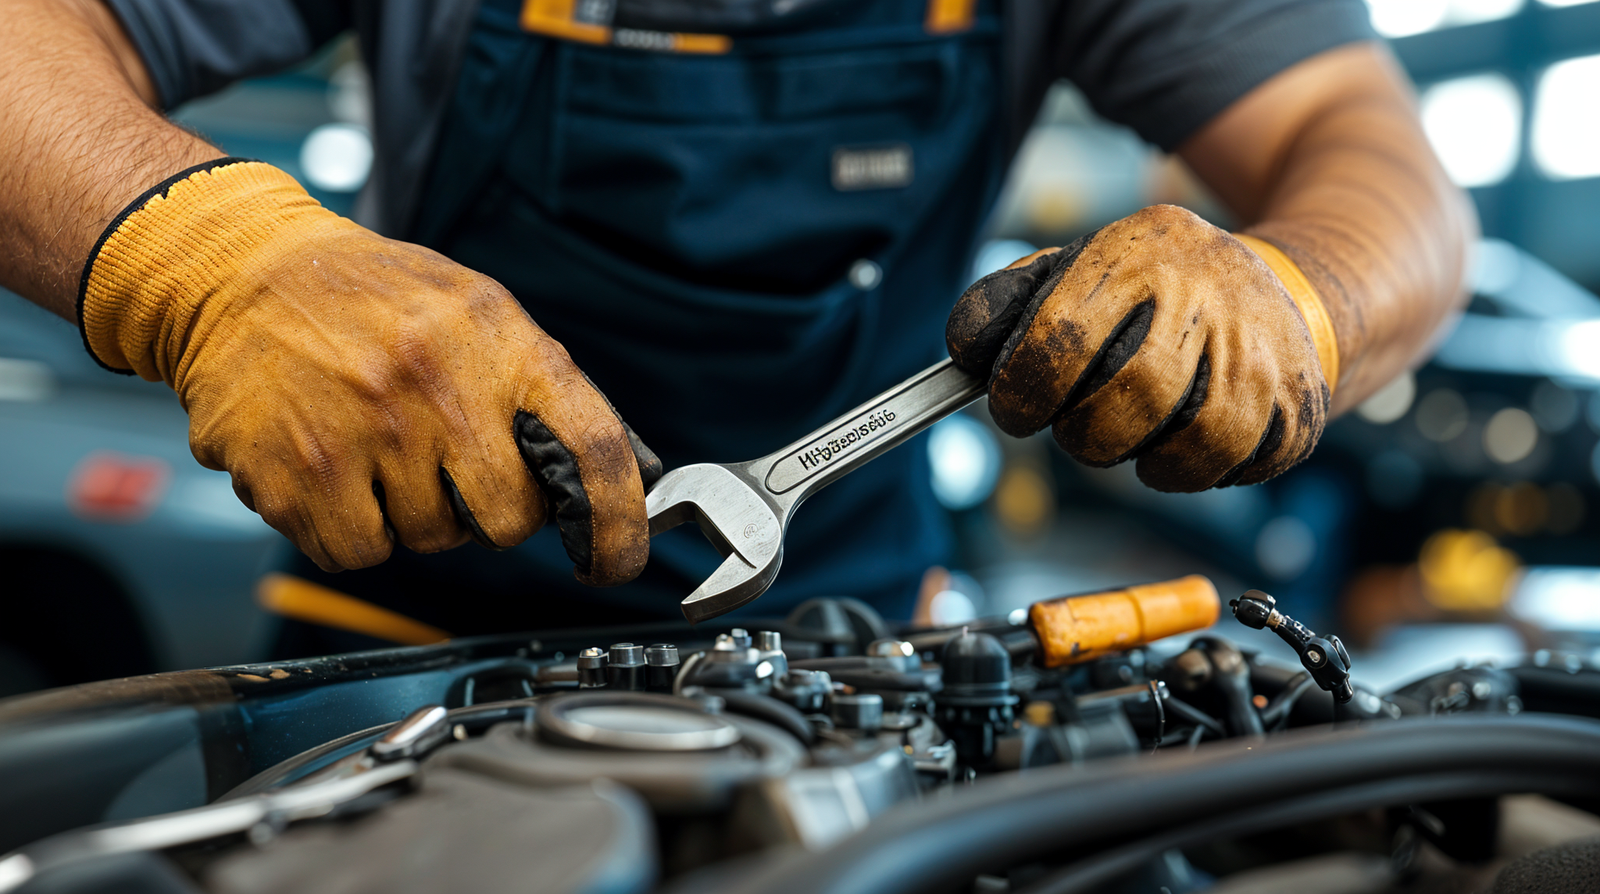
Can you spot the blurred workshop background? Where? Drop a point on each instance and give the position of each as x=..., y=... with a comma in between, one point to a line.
x=1456, y=515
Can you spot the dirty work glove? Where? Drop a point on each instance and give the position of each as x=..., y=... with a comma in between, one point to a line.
x=359, y=390
x=1159, y=338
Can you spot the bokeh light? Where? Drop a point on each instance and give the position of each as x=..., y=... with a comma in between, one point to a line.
x=1510, y=435
x=1466, y=571
x=337, y=157
x=998, y=254
x=1475, y=124
x=1390, y=402
x=1023, y=501
x=1566, y=119
x=965, y=460
x=1398, y=18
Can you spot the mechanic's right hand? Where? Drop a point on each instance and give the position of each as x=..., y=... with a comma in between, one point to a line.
x=361, y=390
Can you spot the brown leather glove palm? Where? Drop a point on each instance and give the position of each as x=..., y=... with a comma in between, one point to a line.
x=1159, y=338
x=358, y=389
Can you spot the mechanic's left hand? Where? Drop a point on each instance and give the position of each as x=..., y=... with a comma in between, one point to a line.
x=1159, y=338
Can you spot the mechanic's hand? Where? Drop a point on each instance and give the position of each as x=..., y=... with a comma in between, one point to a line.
x=1159, y=338
x=358, y=389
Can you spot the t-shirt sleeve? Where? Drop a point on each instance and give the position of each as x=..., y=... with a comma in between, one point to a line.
x=195, y=47
x=1166, y=67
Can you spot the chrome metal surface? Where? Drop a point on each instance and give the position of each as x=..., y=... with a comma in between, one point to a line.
x=742, y=508
x=627, y=654
x=592, y=668
x=661, y=655
x=299, y=802
x=418, y=733
x=891, y=648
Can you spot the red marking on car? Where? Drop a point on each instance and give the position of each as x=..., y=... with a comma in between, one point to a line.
x=116, y=487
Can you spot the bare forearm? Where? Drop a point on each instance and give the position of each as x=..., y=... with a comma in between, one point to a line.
x=1375, y=224
x=1354, y=195
x=78, y=141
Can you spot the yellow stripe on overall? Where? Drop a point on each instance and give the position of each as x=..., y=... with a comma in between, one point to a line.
x=560, y=18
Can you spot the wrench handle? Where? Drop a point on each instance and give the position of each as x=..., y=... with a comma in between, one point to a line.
x=879, y=425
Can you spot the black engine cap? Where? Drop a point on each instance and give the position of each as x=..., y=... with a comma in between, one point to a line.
x=976, y=666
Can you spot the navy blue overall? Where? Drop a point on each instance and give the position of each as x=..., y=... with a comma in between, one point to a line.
x=686, y=225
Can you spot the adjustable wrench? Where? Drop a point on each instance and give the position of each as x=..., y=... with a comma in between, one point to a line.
x=744, y=508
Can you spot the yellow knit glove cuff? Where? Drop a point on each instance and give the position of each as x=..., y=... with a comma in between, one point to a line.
x=175, y=248
x=1306, y=298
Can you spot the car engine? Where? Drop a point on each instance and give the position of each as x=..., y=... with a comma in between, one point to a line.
x=823, y=752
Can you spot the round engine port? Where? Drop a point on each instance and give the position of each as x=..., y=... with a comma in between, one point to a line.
x=632, y=721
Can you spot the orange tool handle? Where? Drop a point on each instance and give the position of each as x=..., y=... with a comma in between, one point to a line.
x=1081, y=628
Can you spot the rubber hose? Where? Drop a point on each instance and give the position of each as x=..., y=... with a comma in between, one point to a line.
x=1281, y=706
x=1098, y=868
x=1004, y=820
x=1188, y=713
x=779, y=714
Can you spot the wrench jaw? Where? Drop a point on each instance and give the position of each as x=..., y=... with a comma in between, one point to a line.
x=744, y=528
x=733, y=584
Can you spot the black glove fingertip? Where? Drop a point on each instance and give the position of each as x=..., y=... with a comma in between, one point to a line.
x=988, y=312
x=994, y=311
x=555, y=468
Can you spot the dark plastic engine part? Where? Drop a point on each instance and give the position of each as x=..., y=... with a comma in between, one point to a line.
x=863, y=711
x=1118, y=669
x=625, y=669
x=976, y=705
x=731, y=666
x=1558, y=683
x=1462, y=690
x=839, y=622
x=591, y=669
x=1101, y=729
x=684, y=782
x=876, y=674
x=976, y=672
x=1230, y=678
x=818, y=805
x=806, y=690
x=661, y=669
x=1188, y=671
x=597, y=837
x=1324, y=658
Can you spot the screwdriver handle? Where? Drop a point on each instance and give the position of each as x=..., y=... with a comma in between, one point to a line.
x=1079, y=628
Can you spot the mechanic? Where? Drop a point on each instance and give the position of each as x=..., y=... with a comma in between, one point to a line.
x=735, y=219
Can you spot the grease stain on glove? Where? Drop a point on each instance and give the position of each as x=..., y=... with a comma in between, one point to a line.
x=360, y=390
x=1159, y=339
